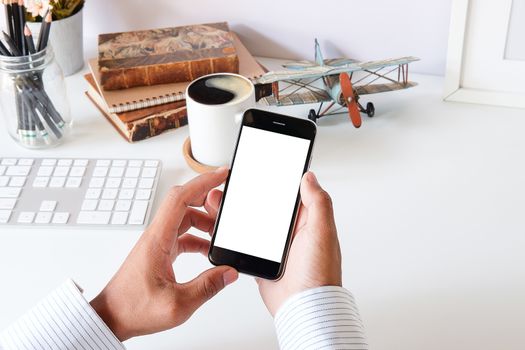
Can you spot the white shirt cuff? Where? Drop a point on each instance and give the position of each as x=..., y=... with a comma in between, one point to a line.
x=63, y=320
x=320, y=318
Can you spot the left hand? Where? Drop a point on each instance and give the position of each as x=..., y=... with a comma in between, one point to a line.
x=144, y=297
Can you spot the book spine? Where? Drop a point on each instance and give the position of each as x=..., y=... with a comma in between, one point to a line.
x=157, y=124
x=174, y=72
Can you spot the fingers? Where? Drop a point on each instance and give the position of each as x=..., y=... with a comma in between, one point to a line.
x=207, y=285
x=196, y=218
x=213, y=201
x=192, y=244
x=317, y=203
x=173, y=209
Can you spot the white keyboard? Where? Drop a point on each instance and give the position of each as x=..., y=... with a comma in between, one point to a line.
x=113, y=193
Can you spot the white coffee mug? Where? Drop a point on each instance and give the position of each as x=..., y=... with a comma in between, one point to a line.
x=214, y=127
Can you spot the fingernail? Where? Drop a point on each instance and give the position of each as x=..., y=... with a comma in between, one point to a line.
x=230, y=276
x=311, y=177
x=221, y=169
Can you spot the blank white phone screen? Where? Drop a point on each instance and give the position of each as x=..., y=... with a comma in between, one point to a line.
x=258, y=207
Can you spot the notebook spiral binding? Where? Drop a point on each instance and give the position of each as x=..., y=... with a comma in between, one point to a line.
x=149, y=102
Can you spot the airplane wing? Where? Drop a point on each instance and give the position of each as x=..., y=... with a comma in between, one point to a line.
x=377, y=88
x=316, y=71
x=296, y=98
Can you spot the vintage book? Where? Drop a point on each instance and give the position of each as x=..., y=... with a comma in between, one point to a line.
x=162, y=56
x=119, y=101
x=143, y=123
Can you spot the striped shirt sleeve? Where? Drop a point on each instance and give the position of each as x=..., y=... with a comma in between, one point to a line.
x=63, y=320
x=320, y=318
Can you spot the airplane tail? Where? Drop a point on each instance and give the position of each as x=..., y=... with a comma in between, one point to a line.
x=318, y=55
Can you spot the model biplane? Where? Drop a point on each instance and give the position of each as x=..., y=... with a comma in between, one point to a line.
x=339, y=82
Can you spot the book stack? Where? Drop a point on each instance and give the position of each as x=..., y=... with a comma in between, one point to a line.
x=139, y=80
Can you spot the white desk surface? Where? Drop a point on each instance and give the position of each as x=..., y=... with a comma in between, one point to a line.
x=429, y=199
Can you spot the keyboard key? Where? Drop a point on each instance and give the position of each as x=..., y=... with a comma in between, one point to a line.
x=89, y=204
x=109, y=193
x=151, y=163
x=100, y=171
x=45, y=171
x=61, y=171
x=143, y=194
x=10, y=192
x=18, y=170
x=7, y=203
x=113, y=182
x=80, y=162
x=122, y=205
x=73, y=182
x=129, y=182
x=103, y=162
x=25, y=161
x=17, y=181
x=8, y=161
x=119, y=162
x=40, y=181
x=50, y=162
x=116, y=172
x=119, y=218
x=93, y=217
x=146, y=183
x=132, y=172
x=126, y=194
x=57, y=182
x=4, y=180
x=43, y=217
x=65, y=162
x=77, y=171
x=93, y=193
x=106, y=205
x=138, y=212
x=26, y=217
x=149, y=172
x=48, y=205
x=4, y=216
x=97, y=182
x=60, y=218
x=2, y=169
x=135, y=163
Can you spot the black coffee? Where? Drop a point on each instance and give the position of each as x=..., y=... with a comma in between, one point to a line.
x=218, y=89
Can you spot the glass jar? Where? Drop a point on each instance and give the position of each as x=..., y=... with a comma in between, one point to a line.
x=33, y=99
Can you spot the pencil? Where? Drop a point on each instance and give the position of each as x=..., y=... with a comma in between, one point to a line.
x=22, y=24
x=12, y=45
x=44, y=32
x=8, y=16
x=3, y=50
x=16, y=23
x=29, y=40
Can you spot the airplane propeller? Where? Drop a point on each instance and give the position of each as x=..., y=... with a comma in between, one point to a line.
x=351, y=102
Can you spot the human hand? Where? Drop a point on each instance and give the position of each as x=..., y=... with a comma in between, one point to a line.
x=144, y=297
x=314, y=259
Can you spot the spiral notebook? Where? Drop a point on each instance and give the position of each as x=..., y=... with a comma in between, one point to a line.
x=119, y=101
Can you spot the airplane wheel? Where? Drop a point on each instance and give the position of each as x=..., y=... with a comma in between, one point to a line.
x=312, y=115
x=370, y=109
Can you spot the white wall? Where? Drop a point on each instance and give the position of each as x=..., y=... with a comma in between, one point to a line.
x=366, y=29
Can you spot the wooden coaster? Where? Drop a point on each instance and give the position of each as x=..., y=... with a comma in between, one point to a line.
x=192, y=162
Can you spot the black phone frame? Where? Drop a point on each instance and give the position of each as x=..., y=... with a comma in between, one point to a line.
x=250, y=264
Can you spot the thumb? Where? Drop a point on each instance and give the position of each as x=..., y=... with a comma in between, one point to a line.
x=205, y=286
x=317, y=202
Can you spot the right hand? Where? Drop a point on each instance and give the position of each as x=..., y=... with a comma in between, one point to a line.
x=314, y=259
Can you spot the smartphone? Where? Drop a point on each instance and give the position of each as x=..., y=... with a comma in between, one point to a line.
x=256, y=218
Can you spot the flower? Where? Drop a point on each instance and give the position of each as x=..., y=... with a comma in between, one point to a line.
x=37, y=7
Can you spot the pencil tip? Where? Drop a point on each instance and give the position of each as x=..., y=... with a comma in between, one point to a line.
x=27, y=31
x=20, y=2
x=49, y=16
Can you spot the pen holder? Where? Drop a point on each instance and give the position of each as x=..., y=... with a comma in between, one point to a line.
x=33, y=99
